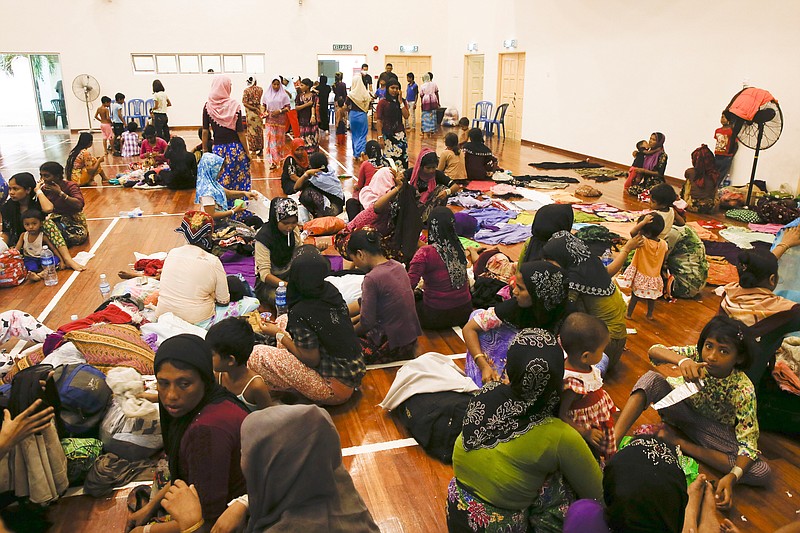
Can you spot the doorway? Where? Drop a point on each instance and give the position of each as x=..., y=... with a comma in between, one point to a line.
x=402, y=65
x=473, y=83
x=348, y=64
x=511, y=90
x=33, y=92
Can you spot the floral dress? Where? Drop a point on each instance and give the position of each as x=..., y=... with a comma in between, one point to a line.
x=594, y=407
x=309, y=130
x=255, y=129
x=643, y=275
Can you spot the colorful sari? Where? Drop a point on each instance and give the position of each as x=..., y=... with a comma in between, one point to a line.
x=255, y=130
x=307, y=118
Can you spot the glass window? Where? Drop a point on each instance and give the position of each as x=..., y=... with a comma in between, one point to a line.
x=212, y=63
x=144, y=63
x=233, y=63
x=254, y=63
x=189, y=64
x=167, y=64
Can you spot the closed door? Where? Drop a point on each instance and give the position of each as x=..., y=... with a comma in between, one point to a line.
x=402, y=65
x=511, y=91
x=473, y=84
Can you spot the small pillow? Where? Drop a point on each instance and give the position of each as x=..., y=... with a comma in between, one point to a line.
x=588, y=190
x=106, y=346
x=324, y=226
x=744, y=215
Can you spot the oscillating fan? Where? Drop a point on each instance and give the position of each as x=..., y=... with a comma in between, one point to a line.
x=87, y=89
x=757, y=123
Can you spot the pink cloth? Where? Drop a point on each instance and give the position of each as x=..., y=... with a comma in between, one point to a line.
x=749, y=100
x=482, y=186
x=416, y=175
x=439, y=293
x=220, y=106
x=381, y=183
x=503, y=188
x=786, y=379
x=766, y=228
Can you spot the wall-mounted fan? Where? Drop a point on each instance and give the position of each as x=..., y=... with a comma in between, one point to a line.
x=757, y=123
x=87, y=89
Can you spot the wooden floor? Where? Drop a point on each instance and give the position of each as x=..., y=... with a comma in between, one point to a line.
x=404, y=489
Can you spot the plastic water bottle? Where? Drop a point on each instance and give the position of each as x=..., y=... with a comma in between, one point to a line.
x=607, y=258
x=105, y=288
x=49, y=267
x=280, y=299
x=726, y=182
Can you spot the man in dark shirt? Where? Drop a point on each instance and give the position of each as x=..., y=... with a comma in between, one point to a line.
x=386, y=74
x=366, y=77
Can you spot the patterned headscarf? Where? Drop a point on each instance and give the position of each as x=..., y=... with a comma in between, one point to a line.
x=207, y=184
x=548, y=220
x=285, y=208
x=499, y=412
x=585, y=272
x=196, y=227
x=280, y=246
x=547, y=285
x=442, y=236
x=704, y=166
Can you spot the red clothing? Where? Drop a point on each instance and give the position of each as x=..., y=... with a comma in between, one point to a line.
x=158, y=149
x=724, y=141
x=67, y=206
x=439, y=292
x=211, y=454
x=365, y=174
x=391, y=125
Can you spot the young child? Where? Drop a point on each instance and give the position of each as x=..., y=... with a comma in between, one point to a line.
x=118, y=120
x=412, y=95
x=130, y=140
x=153, y=147
x=639, y=153
x=451, y=162
x=463, y=131
x=380, y=92
x=725, y=147
x=645, y=275
x=103, y=114
x=231, y=341
x=585, y=405
x=31, y=242
x=720, y=420
x=662, y=196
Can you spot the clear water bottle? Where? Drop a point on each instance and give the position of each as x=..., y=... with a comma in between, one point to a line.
x=607, y=258
x=48, y=272
x=280, y=299
x=105, y=288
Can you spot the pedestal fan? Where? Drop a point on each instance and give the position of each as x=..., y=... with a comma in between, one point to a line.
x=757, y=122
x=87, y=89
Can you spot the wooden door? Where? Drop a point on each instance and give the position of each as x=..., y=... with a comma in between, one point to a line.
x=511, y=91
x=402, y=65
x=473, y=84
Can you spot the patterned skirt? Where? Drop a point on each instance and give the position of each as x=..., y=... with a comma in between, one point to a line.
x=468, y=513
x=598, y=416
x=310, y=135
x=494, y=344
x=255, y=132
x=74, y=228
x=642, y=286
x=428, y=121
x=275, y=148
x=396, y=148
x=235, y=173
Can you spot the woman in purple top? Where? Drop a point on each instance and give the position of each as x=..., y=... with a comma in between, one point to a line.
x=387, y=322
x=446, y=300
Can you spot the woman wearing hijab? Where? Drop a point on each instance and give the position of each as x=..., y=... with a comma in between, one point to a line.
x=223, y=115
x=389, y=116
x=442, y=265
x=201, y=424
x=653, y=168
x=192, y=279
x=375, y=161
x=275, y=105
x=540, y=299
x=251, y=100
x=276, y=241
x=702, y=181
x=306, y=106
x=515, y=461
x=213, y=198
x=550, y=219
x=591, y=286
x=339, y=99
x=430, y=186
x=429, y=96
x=182, y=171
x=358, y=100
x=324, y=92
x=294, y=166
x=479, y=161
x=318, y=354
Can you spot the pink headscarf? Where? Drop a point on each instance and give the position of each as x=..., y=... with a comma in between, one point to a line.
x=416, y=175
x=220, y=106
x=381, y=183
x=275, y=100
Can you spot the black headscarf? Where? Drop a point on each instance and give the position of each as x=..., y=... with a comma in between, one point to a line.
x=548, y=220
x=280, y=246
x=547, y=285
x=585, y=272
x=191, y=350
x=644, y=488
x=11, y=212
x=499, y=412
x=318, y=305
x=442, y=236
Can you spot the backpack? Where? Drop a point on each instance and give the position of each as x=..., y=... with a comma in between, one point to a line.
x=12, y=268
x=84, y=397
x=435, y=420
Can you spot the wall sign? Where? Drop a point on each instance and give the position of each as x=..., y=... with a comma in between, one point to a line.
x=409, y=48
x=342, y=47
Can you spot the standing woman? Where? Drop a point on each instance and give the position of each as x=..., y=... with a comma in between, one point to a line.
x=67, y=201
x=82, y=165
x=429, y=93
x=358, y=101
x=223, y=114
x=251, y=100
x=306, y=106
x=160, y=120
x=275, y=105
x=392, y=111
x=324, y=92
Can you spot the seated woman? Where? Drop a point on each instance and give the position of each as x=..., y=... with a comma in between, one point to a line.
x=442, y=266
x=182, y=172
x=386, y=323
x=479, y=161
x=515, y=461
x=540, y=298
x=201, y=423
x=318, y=354
x=322, y=192
x=549, y=220
x=294, y=166
x=276, y=241
x=25, y=194
x=82, y=166
x=67, y=201
x=153, y=147
x=652, y=170
x=702, y=180
x=192, y=279
x=366, y=171
x=292, y=461
x=213, y=198
x=429, y=187
x=720, y=420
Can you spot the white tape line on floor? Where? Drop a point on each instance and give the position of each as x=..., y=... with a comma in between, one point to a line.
x=378, y=447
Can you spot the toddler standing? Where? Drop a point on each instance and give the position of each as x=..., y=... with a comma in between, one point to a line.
x=645, y=275
x=31, y=242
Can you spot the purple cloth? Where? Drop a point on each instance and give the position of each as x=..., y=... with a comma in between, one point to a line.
x=585, y=516
x=494, y=343
x=466, y=225
x=491, y=216
x=34, y=264
x=504, y=234
x=730, y=251
x=234, y=264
